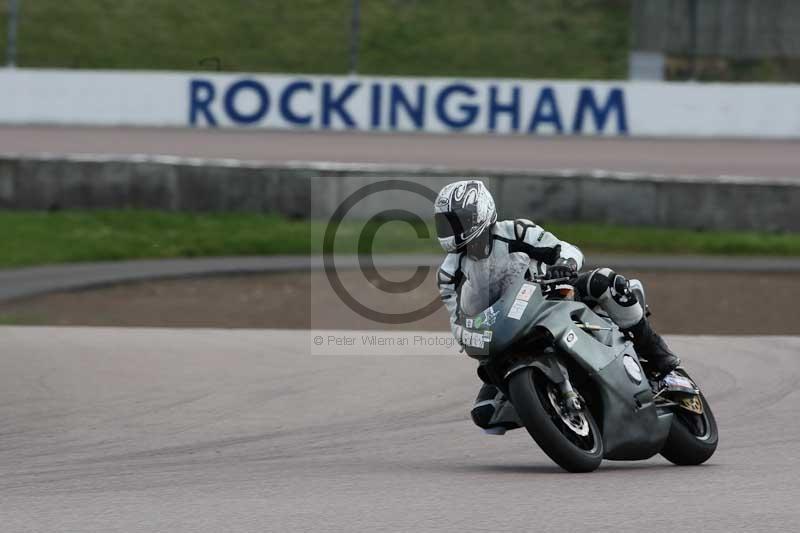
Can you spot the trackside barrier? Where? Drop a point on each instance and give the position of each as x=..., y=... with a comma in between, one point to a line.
x=315, y=190
x=383, y=104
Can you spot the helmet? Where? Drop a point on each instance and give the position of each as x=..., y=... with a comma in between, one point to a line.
x=464, y=211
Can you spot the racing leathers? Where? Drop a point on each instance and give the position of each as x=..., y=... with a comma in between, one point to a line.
x=469, y=284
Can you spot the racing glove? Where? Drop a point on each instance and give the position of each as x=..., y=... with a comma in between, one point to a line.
x=562, y=271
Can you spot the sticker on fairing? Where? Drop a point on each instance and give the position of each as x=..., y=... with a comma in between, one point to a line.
x=469, y=323
x=485, y=319
x=476, y=340
x=487, y=336
x=469, y=338
x=517, y=309
x=526, y=291
x=570, y=339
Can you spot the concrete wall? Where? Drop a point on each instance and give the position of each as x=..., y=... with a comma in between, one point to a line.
x=395, y=104
x=316, y=190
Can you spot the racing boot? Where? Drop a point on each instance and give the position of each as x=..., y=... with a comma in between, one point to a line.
x=649, y=345
x=493, y=412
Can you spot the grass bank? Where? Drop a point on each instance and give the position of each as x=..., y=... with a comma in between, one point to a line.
x=35, y=238
x=506, y=38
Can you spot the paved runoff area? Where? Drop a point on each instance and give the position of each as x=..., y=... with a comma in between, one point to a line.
x=697, y=157
x=213, y=430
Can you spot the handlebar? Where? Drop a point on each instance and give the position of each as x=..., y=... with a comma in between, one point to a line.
x=542, y=280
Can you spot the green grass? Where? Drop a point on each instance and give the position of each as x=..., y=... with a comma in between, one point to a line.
x=38, y=237
x=22, y=320
x=508, y=38
x=644, y=240
x=35, y=238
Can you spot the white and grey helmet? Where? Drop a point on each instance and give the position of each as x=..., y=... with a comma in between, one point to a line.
x=463, y=211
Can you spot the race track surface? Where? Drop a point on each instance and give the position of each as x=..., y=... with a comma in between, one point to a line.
x=213, y=430
x=708, y=158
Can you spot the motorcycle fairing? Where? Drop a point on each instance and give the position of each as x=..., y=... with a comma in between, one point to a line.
x=632, y=427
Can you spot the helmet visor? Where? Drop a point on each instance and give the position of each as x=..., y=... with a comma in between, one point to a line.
x=454, y=223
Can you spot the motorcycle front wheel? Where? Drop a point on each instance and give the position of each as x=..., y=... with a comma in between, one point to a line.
x=571, y=439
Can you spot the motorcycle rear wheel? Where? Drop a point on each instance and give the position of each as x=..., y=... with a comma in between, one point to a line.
x=557, y=434
x=692, y=438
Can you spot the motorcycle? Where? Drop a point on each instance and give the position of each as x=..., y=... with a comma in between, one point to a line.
x=575, y=382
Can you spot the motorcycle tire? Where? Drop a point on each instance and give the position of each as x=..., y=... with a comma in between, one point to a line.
x=692, y=438
x=528, y=392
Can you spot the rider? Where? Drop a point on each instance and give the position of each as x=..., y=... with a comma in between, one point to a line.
x=485, y=256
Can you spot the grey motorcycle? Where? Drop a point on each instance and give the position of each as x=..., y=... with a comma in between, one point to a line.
x=577, y=385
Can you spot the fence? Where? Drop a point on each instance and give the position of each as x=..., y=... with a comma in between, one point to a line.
x=735, y=40
x=738, y=29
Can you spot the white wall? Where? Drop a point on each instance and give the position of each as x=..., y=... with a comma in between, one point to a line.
x=438, y=105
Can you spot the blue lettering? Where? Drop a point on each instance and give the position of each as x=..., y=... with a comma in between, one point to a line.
x=470, y=110
x=230, y=102
x=201, y=94
x=331, y=104
x=377, y=98
x=495, y=108
x=286, y=103
x=398, y=99
x=614, y=103
x=546, y=112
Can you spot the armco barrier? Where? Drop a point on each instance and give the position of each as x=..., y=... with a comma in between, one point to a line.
x=314, y=190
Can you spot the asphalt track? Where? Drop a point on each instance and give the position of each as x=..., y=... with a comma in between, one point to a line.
x=697, y=157
x=211, y=430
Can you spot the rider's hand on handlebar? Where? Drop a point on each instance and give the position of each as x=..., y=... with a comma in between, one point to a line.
x=561, y=271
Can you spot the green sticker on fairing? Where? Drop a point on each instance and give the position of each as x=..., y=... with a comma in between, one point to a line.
x=485, y=319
